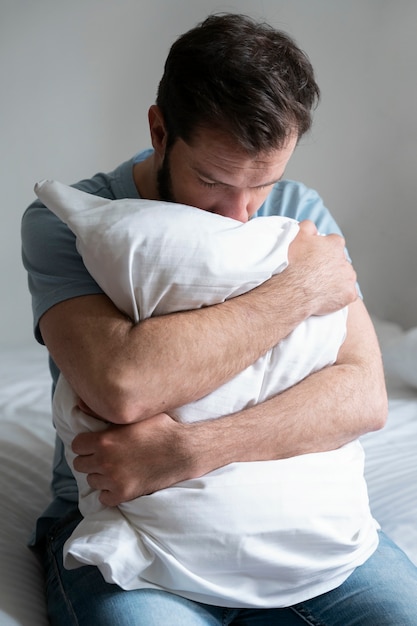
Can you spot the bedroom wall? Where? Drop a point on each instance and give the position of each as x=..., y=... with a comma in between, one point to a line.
x=77, y=78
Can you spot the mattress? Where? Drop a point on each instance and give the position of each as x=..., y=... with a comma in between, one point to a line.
x=26, y=450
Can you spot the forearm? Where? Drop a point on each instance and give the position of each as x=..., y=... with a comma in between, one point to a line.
x=323, y=412
x=126, y=372
x=298, y=421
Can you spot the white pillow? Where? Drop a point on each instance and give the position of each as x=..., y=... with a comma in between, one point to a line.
x=154, y=258
x=400, y=357
x=204, y=538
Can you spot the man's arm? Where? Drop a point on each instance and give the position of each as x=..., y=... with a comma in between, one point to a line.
x=126, y=372
x=323, y=412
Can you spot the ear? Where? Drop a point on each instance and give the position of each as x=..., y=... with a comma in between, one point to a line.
x=157, y=130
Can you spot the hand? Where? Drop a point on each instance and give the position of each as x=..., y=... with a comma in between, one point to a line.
x=321, y=270
x=128, y=461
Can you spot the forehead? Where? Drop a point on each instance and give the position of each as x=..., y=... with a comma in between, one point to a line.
x=214, y=155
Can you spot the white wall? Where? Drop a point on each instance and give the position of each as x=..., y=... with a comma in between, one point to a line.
x=77, y=78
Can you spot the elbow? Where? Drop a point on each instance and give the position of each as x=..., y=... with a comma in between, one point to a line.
x=119, y=410
x=379, y=410
x=118, y=401
x=122, y=392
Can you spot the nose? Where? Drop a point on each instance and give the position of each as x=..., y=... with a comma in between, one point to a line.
x=237, y=206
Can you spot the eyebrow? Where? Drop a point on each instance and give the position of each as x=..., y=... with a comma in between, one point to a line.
x=212, y=179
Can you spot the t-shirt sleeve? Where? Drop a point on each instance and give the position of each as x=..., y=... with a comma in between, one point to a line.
x=56, y=271
x=295, y=200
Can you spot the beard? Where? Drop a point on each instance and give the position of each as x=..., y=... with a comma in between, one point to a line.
x=164, y=181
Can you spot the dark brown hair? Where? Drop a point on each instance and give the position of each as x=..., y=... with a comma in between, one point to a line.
x=239, y=76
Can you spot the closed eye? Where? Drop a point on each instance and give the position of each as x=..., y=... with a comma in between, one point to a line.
x=265, y=186
x=209, y=185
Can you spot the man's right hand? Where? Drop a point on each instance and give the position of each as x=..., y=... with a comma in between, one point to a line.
x=125, y=462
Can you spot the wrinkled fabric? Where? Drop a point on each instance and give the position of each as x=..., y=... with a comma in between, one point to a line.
x=264, y=534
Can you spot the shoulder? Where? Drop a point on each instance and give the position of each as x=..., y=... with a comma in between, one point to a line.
x=114, y=185
x=294, y=199
x=55, y=268
x=40, y=224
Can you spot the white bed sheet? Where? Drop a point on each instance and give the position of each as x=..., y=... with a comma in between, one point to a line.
x=26, y=450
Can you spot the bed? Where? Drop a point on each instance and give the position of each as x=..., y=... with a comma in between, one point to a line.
x=26, y=450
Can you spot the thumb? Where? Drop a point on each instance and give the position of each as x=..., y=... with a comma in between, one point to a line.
x=308, y=227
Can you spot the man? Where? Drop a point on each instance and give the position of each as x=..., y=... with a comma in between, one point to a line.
x=234, y=100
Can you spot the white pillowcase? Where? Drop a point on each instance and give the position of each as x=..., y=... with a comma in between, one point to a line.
x=228, y=537
x=400, y=357
x=154, y=258
x=399, y=351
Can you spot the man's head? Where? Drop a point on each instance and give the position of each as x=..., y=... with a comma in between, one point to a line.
x=241, y=77
x=235, y=98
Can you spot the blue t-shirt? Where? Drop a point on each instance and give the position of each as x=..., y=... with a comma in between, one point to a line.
x=56, y=272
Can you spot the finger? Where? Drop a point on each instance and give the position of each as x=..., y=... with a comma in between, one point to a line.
x=96, y=481
x=84, y=443
x=107, y=498
x=85, y=464
x=308, y=227
x=338, y=239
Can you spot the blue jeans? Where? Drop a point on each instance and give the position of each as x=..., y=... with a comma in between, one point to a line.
x=382, y=592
